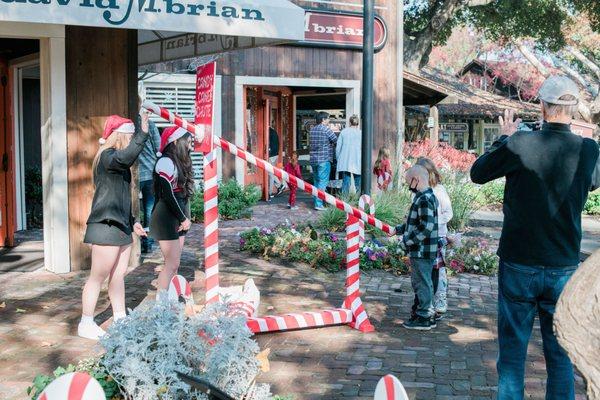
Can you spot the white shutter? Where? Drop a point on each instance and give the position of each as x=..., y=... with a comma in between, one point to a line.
x=178, y=97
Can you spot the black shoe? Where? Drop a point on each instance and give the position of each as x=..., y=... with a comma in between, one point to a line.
x=419, y=323
x=438, y=316
x=280, y=190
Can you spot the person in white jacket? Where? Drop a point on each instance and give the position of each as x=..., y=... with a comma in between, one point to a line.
x=440, y=303
x=348, y=154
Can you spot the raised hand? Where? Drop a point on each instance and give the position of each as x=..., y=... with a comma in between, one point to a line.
x=508, y=124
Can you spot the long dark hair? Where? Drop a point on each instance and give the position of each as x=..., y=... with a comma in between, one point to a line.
x=179, y=153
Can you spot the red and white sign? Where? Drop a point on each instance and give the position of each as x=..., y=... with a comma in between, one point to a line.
x=584, y=129
x=205, y=99
x=339, y=30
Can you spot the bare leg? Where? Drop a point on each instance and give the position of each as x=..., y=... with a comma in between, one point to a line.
x=116, y=282
x=171, y=250
x=104, y=259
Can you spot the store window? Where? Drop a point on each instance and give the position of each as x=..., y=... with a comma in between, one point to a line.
x=490, y=134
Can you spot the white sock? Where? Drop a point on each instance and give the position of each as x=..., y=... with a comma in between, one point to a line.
x=119, y=315
x=86, y=319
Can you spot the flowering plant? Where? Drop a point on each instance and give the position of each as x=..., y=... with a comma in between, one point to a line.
x=325, y=250
x=474, y=256
x=442, y=154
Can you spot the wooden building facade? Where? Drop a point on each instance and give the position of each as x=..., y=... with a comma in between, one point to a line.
x=284, y=86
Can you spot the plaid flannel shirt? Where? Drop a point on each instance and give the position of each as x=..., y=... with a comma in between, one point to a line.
x=420, y=233
x=321, y=142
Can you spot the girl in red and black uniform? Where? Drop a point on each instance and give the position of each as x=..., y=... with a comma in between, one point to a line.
x=111, y=222
x=173, y=188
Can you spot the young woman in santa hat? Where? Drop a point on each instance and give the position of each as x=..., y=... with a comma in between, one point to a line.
x=173, y=188
x=111, y=222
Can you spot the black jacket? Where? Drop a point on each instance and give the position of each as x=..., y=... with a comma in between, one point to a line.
x=112, y=177
x=548, y=177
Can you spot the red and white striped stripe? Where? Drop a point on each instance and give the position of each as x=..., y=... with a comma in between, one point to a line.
x=179, y=286
x=390, y=388
x=353, y=302
x=73, y=386
x=211, y=227
x=362, y=202
x=242, y=307
x=281, y=174
x=273, y=323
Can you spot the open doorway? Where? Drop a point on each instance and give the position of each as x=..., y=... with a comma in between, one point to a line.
x=21, y=188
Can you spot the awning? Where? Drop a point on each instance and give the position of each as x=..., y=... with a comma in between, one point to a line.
x=172, y=29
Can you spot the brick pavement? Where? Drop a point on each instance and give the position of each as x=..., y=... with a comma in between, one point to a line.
x=454, y=362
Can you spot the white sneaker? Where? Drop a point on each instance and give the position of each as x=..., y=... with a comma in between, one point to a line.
x=90, y=331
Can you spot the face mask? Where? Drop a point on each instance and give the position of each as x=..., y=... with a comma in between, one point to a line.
x=411, y=187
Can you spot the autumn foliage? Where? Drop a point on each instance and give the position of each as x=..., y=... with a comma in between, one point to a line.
x=442, y=154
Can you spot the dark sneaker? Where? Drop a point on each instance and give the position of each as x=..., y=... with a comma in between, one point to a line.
x=419, y=323
x=280, y=190
x=438, y=316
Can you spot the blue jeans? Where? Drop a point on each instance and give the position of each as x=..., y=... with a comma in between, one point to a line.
x=320, y=178
x=346, y=178
x=147, y=205
x=522, y=291
x=422, y=284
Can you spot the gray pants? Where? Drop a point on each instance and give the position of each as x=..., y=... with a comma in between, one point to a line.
x=420, y=279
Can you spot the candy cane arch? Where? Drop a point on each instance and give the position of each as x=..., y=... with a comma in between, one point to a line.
x=362, y=202
x=352, y=311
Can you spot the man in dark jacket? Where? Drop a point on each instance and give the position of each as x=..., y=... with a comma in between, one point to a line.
x=548, y=176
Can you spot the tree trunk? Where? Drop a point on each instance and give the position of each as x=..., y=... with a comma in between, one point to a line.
x=577, y=322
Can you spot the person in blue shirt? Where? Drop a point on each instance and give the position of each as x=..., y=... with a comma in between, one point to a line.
x=322, y=143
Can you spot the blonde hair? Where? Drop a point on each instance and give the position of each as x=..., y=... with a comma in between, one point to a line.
x=384, y=154
x=435, y=178
x=116, y=140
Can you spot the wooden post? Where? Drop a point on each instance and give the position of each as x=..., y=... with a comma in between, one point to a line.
x=434, y=131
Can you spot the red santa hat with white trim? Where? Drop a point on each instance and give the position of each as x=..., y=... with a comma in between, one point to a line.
x=169, y=135
x=115, y=123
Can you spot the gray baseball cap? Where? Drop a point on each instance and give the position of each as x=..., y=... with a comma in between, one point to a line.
x=556, y=86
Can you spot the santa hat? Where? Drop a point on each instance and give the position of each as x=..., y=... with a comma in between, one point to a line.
x=170, y=135
x=115, y=123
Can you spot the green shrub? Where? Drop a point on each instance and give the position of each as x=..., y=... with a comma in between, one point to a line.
x=464, y=198
x=390, y=207
x=235, y=201
x=592, y=206
x=492, y=193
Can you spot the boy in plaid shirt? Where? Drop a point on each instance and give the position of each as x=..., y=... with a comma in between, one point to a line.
x=420, y=240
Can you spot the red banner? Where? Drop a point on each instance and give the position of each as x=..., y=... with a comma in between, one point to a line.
x=205, y=93
x=339, y=30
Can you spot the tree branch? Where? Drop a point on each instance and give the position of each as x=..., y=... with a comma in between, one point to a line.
x=532, y=58
x=575, y=75
x=478, y=3
x=584, y=60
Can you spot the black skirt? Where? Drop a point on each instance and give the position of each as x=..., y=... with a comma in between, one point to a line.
x=106, y=234
x=164, y=224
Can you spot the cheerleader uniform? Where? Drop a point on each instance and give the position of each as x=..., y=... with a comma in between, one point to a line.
x=171, y=207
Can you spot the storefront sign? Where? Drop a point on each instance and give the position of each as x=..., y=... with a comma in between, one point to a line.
x=345, y=30
x=266, y=19
x=454, y=127
x=205, y=90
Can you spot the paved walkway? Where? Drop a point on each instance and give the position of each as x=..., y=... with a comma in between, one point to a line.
x=590, y=226
x=454, y=362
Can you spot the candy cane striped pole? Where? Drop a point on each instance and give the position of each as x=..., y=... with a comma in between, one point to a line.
x=211, y=227
x=362, y=202
x=360, y=320
x=305, y=320
x=262, y=164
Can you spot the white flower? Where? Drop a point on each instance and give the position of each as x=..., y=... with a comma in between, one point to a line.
x=477, y=258
x=476, y=267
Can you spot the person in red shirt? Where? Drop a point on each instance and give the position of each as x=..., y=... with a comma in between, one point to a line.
x=383, y=169
x=293, y=168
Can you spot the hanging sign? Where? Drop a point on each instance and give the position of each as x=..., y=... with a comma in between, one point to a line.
x=205, y=105
x=341, y=30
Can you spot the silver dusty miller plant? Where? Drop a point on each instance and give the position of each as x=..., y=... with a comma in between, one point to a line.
x=144, y=351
